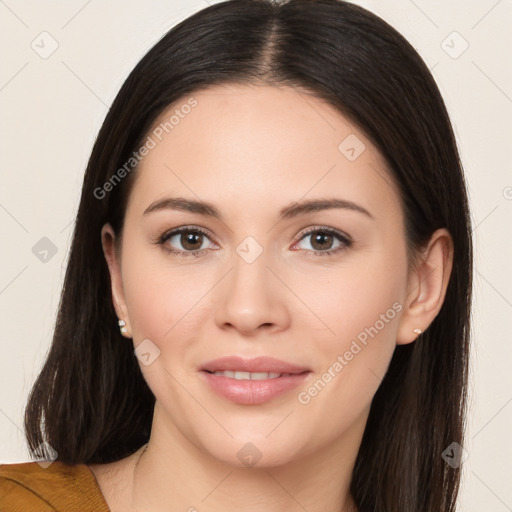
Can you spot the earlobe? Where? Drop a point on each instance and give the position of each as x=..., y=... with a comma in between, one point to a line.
x=108, y=239
x=427, y=284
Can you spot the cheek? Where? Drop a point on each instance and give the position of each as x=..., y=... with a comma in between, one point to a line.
x=345, y=303
x=356, y=324
x=355, y=360
x=166, y=303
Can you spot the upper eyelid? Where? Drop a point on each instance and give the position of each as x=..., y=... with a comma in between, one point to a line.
x=326, y=229
x=176, y=231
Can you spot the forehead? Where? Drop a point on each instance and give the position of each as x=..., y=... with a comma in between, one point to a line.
x=251, y=147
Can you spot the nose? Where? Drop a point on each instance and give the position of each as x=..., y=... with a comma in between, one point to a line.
x=251, y=298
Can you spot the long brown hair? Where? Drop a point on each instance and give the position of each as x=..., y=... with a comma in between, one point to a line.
x=90, y=401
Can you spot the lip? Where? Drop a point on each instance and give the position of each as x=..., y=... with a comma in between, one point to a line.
x=257, y=364
x=252, y=392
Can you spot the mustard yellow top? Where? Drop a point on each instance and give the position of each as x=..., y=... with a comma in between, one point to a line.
x=29, y=487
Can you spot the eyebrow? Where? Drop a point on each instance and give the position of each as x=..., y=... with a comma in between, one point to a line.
x=293, y=210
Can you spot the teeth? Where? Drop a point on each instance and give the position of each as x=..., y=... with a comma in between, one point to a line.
x=250, y=376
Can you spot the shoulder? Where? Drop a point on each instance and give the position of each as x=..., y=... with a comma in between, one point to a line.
x=58, y=486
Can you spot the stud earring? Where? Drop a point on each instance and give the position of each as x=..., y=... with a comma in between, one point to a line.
x=417, y=331
x=122, y=324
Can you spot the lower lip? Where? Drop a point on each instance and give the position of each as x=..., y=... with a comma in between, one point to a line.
x=252, y=392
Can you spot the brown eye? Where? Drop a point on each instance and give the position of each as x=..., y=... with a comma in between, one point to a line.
x=324, y=241
x=321, y=241
x=191, y=241
x=186, y=241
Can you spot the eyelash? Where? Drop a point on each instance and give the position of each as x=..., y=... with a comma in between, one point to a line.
x=345, y=240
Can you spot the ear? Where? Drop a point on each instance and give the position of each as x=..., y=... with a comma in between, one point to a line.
x=108, y=239
x=427, y=284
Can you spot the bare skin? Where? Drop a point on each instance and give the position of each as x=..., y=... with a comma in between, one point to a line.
x=250, y=152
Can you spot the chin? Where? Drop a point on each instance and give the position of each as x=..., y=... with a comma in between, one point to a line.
x=253, y=452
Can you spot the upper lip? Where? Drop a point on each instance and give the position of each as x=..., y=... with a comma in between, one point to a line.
x=257, y=364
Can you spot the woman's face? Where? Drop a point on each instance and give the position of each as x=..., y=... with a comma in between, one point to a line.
x=294, y=249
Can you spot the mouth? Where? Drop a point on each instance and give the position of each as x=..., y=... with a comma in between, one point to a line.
x=252, y=381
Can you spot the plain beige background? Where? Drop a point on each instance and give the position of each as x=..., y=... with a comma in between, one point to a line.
x=52, y=107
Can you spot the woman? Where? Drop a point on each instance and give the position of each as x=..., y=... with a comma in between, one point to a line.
x=266, y=305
